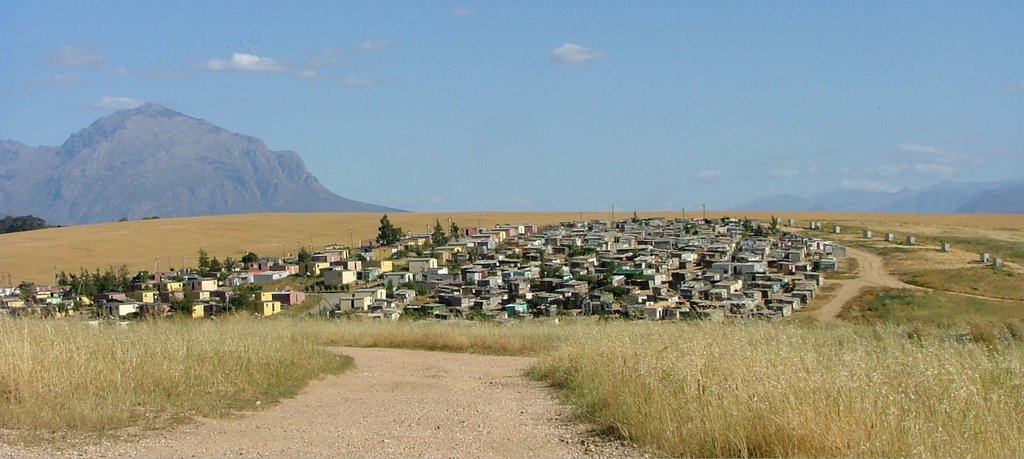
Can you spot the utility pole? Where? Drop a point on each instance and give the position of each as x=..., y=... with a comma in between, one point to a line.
x=705, y=210
x=613, y=213
x=156, y=265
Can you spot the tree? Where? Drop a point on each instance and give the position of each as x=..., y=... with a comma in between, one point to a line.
x=304, y=256
x=635, y=219
x=23, y=223
x=250, y=257
x=215, y=265
x=27, y=292
x=204, y=261
x=453, y=229
x=229, y=264
x=388, y=234
x=244, y=297
x=438, y=237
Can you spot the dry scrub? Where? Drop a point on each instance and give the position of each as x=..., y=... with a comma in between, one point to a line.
x=68, y=377
x=810, y=391
x=682, y=389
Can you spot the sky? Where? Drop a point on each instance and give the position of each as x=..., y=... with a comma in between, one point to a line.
x=539, y=105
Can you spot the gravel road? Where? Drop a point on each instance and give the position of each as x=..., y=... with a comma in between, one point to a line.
x=871, y=272
x=392, y=403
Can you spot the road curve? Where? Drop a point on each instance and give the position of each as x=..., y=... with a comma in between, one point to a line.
x=871, y=272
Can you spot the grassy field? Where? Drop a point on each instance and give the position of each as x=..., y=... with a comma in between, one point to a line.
x=985, y=280
x=682, y=389
x=35, y=255
x=909, y=307
x=71, y=379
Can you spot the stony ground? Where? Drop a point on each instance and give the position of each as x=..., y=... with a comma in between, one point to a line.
x=393, y=403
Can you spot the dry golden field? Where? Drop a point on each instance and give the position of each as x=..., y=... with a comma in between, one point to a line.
x=35, y=255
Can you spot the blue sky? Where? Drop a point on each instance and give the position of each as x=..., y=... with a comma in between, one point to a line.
x=465, y=105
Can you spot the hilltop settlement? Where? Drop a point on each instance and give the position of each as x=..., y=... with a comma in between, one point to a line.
x=652, y=268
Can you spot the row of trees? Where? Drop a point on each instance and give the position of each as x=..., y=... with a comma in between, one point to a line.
x=389, y=234
x=90, y=284
x=23, y=223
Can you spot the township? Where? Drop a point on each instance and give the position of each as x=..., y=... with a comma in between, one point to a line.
x=653, y=269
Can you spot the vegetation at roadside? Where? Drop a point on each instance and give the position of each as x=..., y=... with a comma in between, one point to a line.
x=923, y=307
x=976, y=280
x=73, y=378
x=682, y=389
x=763, y=390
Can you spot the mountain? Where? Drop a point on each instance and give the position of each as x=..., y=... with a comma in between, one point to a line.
x=155, y=161
x=946, y=197
x=1006, y=199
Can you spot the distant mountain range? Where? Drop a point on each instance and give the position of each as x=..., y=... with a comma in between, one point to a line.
x=946, y=197
x=153, y=161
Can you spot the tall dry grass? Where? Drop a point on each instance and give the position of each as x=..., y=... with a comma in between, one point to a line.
x=705, y=390
x=493, y=338
x=680, y=389
x=68, y=376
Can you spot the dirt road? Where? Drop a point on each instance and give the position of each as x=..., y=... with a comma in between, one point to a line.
x=871, y=273
x=393, y=403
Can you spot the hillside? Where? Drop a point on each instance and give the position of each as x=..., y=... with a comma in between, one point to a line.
x=33, y=255
x=155, y=161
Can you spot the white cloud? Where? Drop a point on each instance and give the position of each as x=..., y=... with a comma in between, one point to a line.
x=462, y=12
x=869, y=185
x=375, y=45
x=1019, y=87
x=932, y=170
x=56, y=79
x=357, y=81
x=570, y=53
x=784, y=173
x=117, y=103
x=70, y=56
x=915, y=148
x=918, y=169
x=242, y=62
x=309, y=73
x=707, y=174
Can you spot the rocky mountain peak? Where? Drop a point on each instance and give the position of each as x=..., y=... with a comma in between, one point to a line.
x=151, y=160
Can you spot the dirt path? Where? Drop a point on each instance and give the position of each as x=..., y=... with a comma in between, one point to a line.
x=871, y=272
x=393, y=403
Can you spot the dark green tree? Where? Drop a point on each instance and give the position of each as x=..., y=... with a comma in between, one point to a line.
x=27, y=292
x=388, y=234
x=203, y=261
x=244, y=297
x=453, y=230
x=215, y=265
x=304, y=256
x=438, y=237
x=250, y=257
